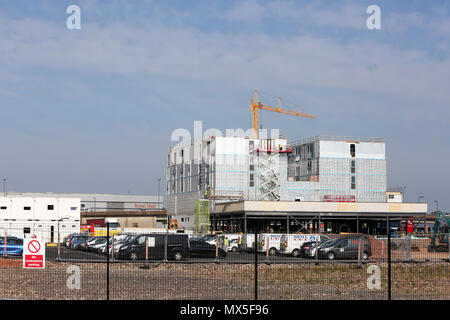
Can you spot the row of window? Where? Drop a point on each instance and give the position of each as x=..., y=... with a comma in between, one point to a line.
x=50, y=207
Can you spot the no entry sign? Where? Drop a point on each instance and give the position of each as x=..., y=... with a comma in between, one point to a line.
x=33, y=254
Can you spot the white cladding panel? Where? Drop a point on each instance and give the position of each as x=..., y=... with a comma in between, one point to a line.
x=341, y=149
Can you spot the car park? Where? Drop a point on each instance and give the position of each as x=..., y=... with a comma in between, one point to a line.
x=347, y=248
x=14, y=246
x=153, y=246
x=204, y=249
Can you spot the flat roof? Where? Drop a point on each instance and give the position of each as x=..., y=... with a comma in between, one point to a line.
x=324, y=209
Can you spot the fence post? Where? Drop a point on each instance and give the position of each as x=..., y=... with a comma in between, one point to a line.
x=359, y=252
x=256, y=263
x=388, y=225
x=107, y=260
x=317, y=251
x=408, y=248
x=217, y=249
x=165, y=246
x=267, y=249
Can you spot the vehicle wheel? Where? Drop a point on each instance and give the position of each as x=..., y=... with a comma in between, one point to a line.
x=133, y=256
x=272, y=251
x=295, y=253
x=365, y=256
x=177, y=256
x=330, y=255
x=234, y=249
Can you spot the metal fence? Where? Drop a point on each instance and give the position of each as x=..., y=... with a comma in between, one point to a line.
x=225, y=267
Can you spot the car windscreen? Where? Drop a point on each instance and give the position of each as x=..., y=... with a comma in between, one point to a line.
x=329, y=243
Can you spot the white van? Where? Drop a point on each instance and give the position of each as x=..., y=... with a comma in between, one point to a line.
x=274, y=242
x=233, y=241
x=290, y=244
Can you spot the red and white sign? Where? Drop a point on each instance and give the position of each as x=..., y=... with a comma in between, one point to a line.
x=33, y=253
x=344, y=198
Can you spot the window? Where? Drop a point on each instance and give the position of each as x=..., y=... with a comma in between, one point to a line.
x=3, y=208
x=50, y=207
x=353, y=166
x=391, y=196
x=352, y=150
x=27, y=208
x=73, y=208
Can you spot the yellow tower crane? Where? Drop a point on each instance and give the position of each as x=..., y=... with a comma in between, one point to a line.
x=256, y=105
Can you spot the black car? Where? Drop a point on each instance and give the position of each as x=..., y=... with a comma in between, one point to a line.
x=346, y=248
x=205, y=250
x=135, y=249
x=308, y=245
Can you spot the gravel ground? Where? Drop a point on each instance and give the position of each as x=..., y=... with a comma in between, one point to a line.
x=221, y=281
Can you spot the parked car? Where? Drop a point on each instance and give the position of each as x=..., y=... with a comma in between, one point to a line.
x=97, y=245
x=310, y=245
x=291, y=244
x=203, y=249
x=80, y=245
x=14, y=246
x=89, y=243
x=346, y=248
x=178, y=247
x=76, y=240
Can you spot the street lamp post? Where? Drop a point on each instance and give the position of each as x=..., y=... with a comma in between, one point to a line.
x=437, y=205
x=4, y=187
x=159, y=181
x=421, y=197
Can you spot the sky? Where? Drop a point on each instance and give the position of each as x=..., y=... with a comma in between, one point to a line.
x=92, y=110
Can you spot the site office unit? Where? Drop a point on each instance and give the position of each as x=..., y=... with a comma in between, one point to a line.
x=25, y=217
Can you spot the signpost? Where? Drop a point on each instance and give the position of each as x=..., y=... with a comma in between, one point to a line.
x=33, y=253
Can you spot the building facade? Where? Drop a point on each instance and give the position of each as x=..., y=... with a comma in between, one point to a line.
x=103, y=202
x=224, y=169
x=46, y=218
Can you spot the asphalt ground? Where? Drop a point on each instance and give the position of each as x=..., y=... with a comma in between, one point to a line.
x=67, y=254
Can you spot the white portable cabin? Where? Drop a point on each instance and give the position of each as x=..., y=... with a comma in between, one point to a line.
x=45, y=218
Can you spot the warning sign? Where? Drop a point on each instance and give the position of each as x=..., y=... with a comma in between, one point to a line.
x=33, y=254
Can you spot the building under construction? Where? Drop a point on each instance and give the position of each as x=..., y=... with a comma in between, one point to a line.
x=336, y=183
x=323, y=183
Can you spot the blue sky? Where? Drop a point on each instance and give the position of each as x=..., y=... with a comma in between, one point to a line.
x=92, y=110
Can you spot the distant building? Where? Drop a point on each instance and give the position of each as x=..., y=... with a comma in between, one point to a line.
x=103, y=202
x=131, y=211
x=46, y=218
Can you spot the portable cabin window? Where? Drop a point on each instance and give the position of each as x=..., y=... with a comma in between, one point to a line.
x=3, y=208
x=27, y=208
x=50, y=207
